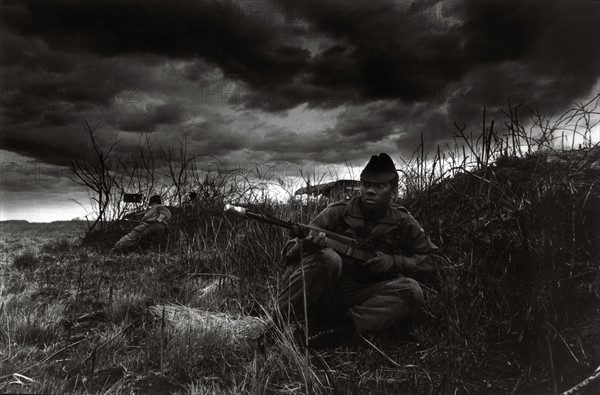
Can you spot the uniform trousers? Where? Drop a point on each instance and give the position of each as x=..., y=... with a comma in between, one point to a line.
x=371, y=306
x=138, y=233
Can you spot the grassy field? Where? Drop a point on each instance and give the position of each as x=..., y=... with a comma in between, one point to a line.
x=516, y=310
x=19, y=236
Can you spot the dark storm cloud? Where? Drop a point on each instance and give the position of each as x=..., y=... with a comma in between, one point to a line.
x=384, y=51
x=393, y=50
x=221, y=32
x=400, y=68
x=147, y=120
x=457, y=58
x=34, y=73
x=360, y=130
x=57, y=147
x=218, y=137
x=411, y=50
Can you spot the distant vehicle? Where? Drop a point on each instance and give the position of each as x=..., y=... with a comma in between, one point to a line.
x=335, y=190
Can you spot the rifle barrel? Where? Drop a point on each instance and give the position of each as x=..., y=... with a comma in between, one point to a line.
x=242, y=212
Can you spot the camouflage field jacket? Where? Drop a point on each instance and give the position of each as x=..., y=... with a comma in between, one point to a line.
x=397, y=234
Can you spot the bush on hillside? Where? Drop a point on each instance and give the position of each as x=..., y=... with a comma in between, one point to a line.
x=523, y=239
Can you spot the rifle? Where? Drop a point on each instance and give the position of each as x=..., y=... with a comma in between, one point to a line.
x=133, y=220
x=339, y=243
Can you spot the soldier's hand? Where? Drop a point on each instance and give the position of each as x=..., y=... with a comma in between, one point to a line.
x=298, y=231
x=318, y=238
x=313, y=242
x=380, y=264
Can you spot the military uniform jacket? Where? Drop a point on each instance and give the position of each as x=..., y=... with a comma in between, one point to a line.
x=397, y=233
x=157, y=214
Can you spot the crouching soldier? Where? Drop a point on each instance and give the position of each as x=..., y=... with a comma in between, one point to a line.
x=154, y=223
x=366, y=296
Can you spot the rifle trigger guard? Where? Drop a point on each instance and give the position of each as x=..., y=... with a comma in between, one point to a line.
x=298, y=231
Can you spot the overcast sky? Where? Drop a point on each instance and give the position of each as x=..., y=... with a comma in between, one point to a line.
x=293, y=82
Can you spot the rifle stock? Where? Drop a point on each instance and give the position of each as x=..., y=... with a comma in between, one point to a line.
x=339, y=243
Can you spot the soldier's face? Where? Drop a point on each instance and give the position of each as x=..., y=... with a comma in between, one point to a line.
x=376, y=196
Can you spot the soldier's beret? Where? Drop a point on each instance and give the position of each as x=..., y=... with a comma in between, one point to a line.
x=380, y=169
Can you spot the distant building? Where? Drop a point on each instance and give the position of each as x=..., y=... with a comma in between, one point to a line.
x=334, y=190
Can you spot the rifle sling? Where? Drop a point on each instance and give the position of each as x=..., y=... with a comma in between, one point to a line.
x=360, y=254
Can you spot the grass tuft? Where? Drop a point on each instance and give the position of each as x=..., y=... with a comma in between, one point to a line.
x=27, y=260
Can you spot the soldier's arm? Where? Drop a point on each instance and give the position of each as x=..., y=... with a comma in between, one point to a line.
x=416, y=261
x=291, y=250
x=134, y=215
x=149, y=215
x=164, y=215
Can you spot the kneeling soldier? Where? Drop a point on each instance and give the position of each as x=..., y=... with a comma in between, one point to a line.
x=369, y=296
